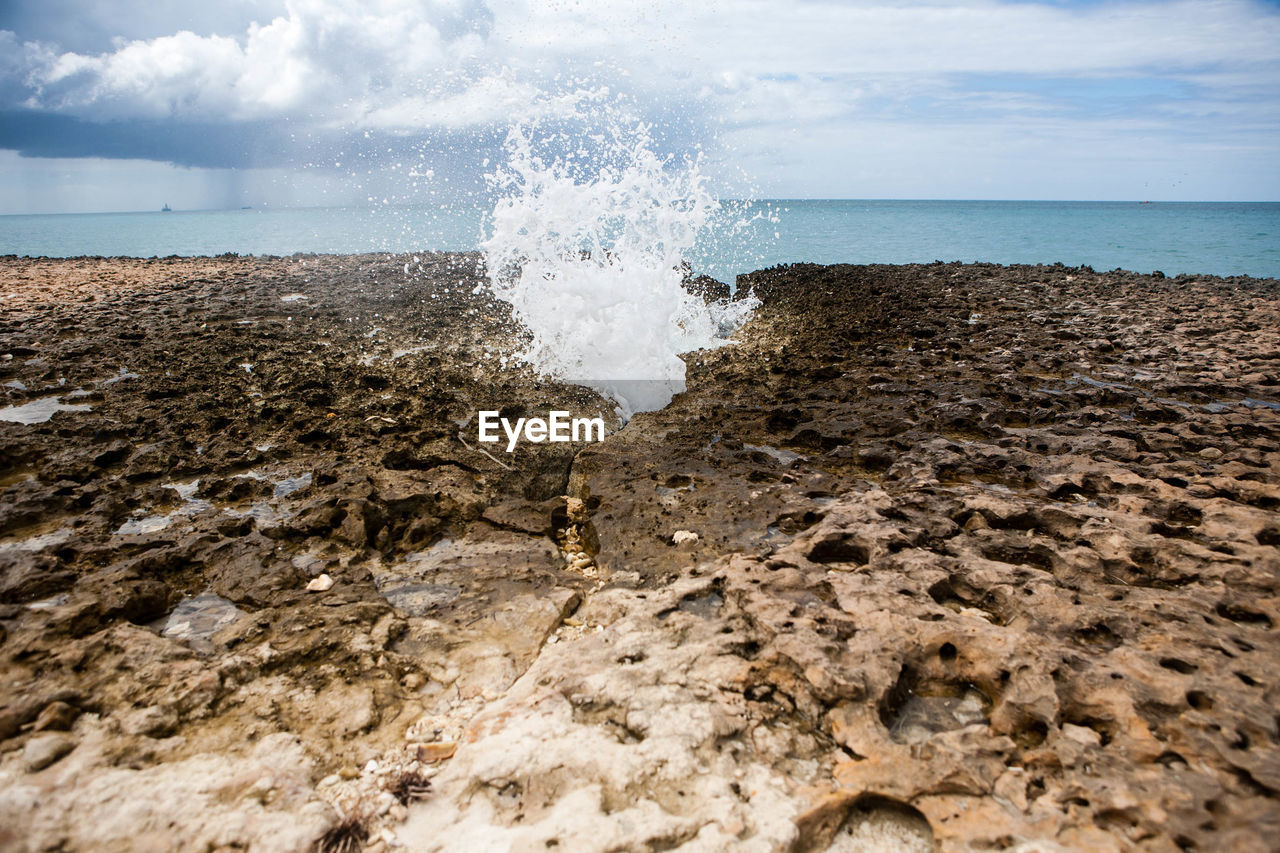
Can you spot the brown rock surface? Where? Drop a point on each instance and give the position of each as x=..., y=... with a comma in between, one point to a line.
x=967, y=556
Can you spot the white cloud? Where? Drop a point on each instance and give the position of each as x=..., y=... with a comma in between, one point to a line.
x=786, y=84
x=323, y=58
x=336, y=58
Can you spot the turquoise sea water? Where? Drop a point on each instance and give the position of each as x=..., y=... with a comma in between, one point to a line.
x=1186, y=237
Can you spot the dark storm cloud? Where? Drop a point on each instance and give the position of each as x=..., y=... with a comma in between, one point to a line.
x=209, y=144
x=97, y=27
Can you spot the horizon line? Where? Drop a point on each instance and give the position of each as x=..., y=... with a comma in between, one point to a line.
x=760, y=200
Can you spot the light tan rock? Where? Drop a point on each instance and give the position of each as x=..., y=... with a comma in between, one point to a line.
x=320, y=583
x=45, y=749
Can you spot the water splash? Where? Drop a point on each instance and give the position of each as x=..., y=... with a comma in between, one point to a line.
x=589, y=239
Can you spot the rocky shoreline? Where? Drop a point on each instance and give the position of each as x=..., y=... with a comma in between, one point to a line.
x=939, y=556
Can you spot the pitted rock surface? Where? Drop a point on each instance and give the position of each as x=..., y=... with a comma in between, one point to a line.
x=953, y=557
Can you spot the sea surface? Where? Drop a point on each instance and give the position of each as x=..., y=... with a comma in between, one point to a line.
x=1198, y=238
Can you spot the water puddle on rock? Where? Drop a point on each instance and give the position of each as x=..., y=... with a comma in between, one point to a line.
x=406, y=585
x=786, y=457
x=668, y=492
x=1247, y=402
x=705, y=606
x=197, y=618
x=266, y=511
x=50, y=603
x=289, y=485
x=38, y=542
x=923, y=716
x=1216, y=407
x=119, y=377
x=40, y=411
x=191, y=505
x=1081, y=379
x=369, y=359
x=262, y=511
x=417, y=598
x=142, y=526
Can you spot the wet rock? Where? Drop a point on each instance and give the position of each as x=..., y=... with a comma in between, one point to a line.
x=966, y=569
x=533, y=519
x=25, y=576
x=707, y=288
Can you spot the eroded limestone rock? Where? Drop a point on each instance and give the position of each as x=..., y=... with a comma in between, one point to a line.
x=960, y=556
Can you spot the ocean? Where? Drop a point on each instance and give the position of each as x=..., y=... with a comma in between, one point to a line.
x=1198, y=238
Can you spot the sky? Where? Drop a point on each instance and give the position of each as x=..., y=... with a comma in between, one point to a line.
x=112, y=105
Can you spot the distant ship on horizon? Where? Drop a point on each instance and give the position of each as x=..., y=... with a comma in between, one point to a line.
x=166, y=208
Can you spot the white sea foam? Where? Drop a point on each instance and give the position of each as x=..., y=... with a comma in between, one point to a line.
x=588, y=243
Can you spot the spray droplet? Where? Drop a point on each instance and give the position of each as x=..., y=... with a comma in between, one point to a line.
x=589, y=238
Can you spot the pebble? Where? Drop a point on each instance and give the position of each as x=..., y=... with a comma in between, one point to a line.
x=1082, y=735
x=323, y=583
x=43, y=750
x=1210, y=453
